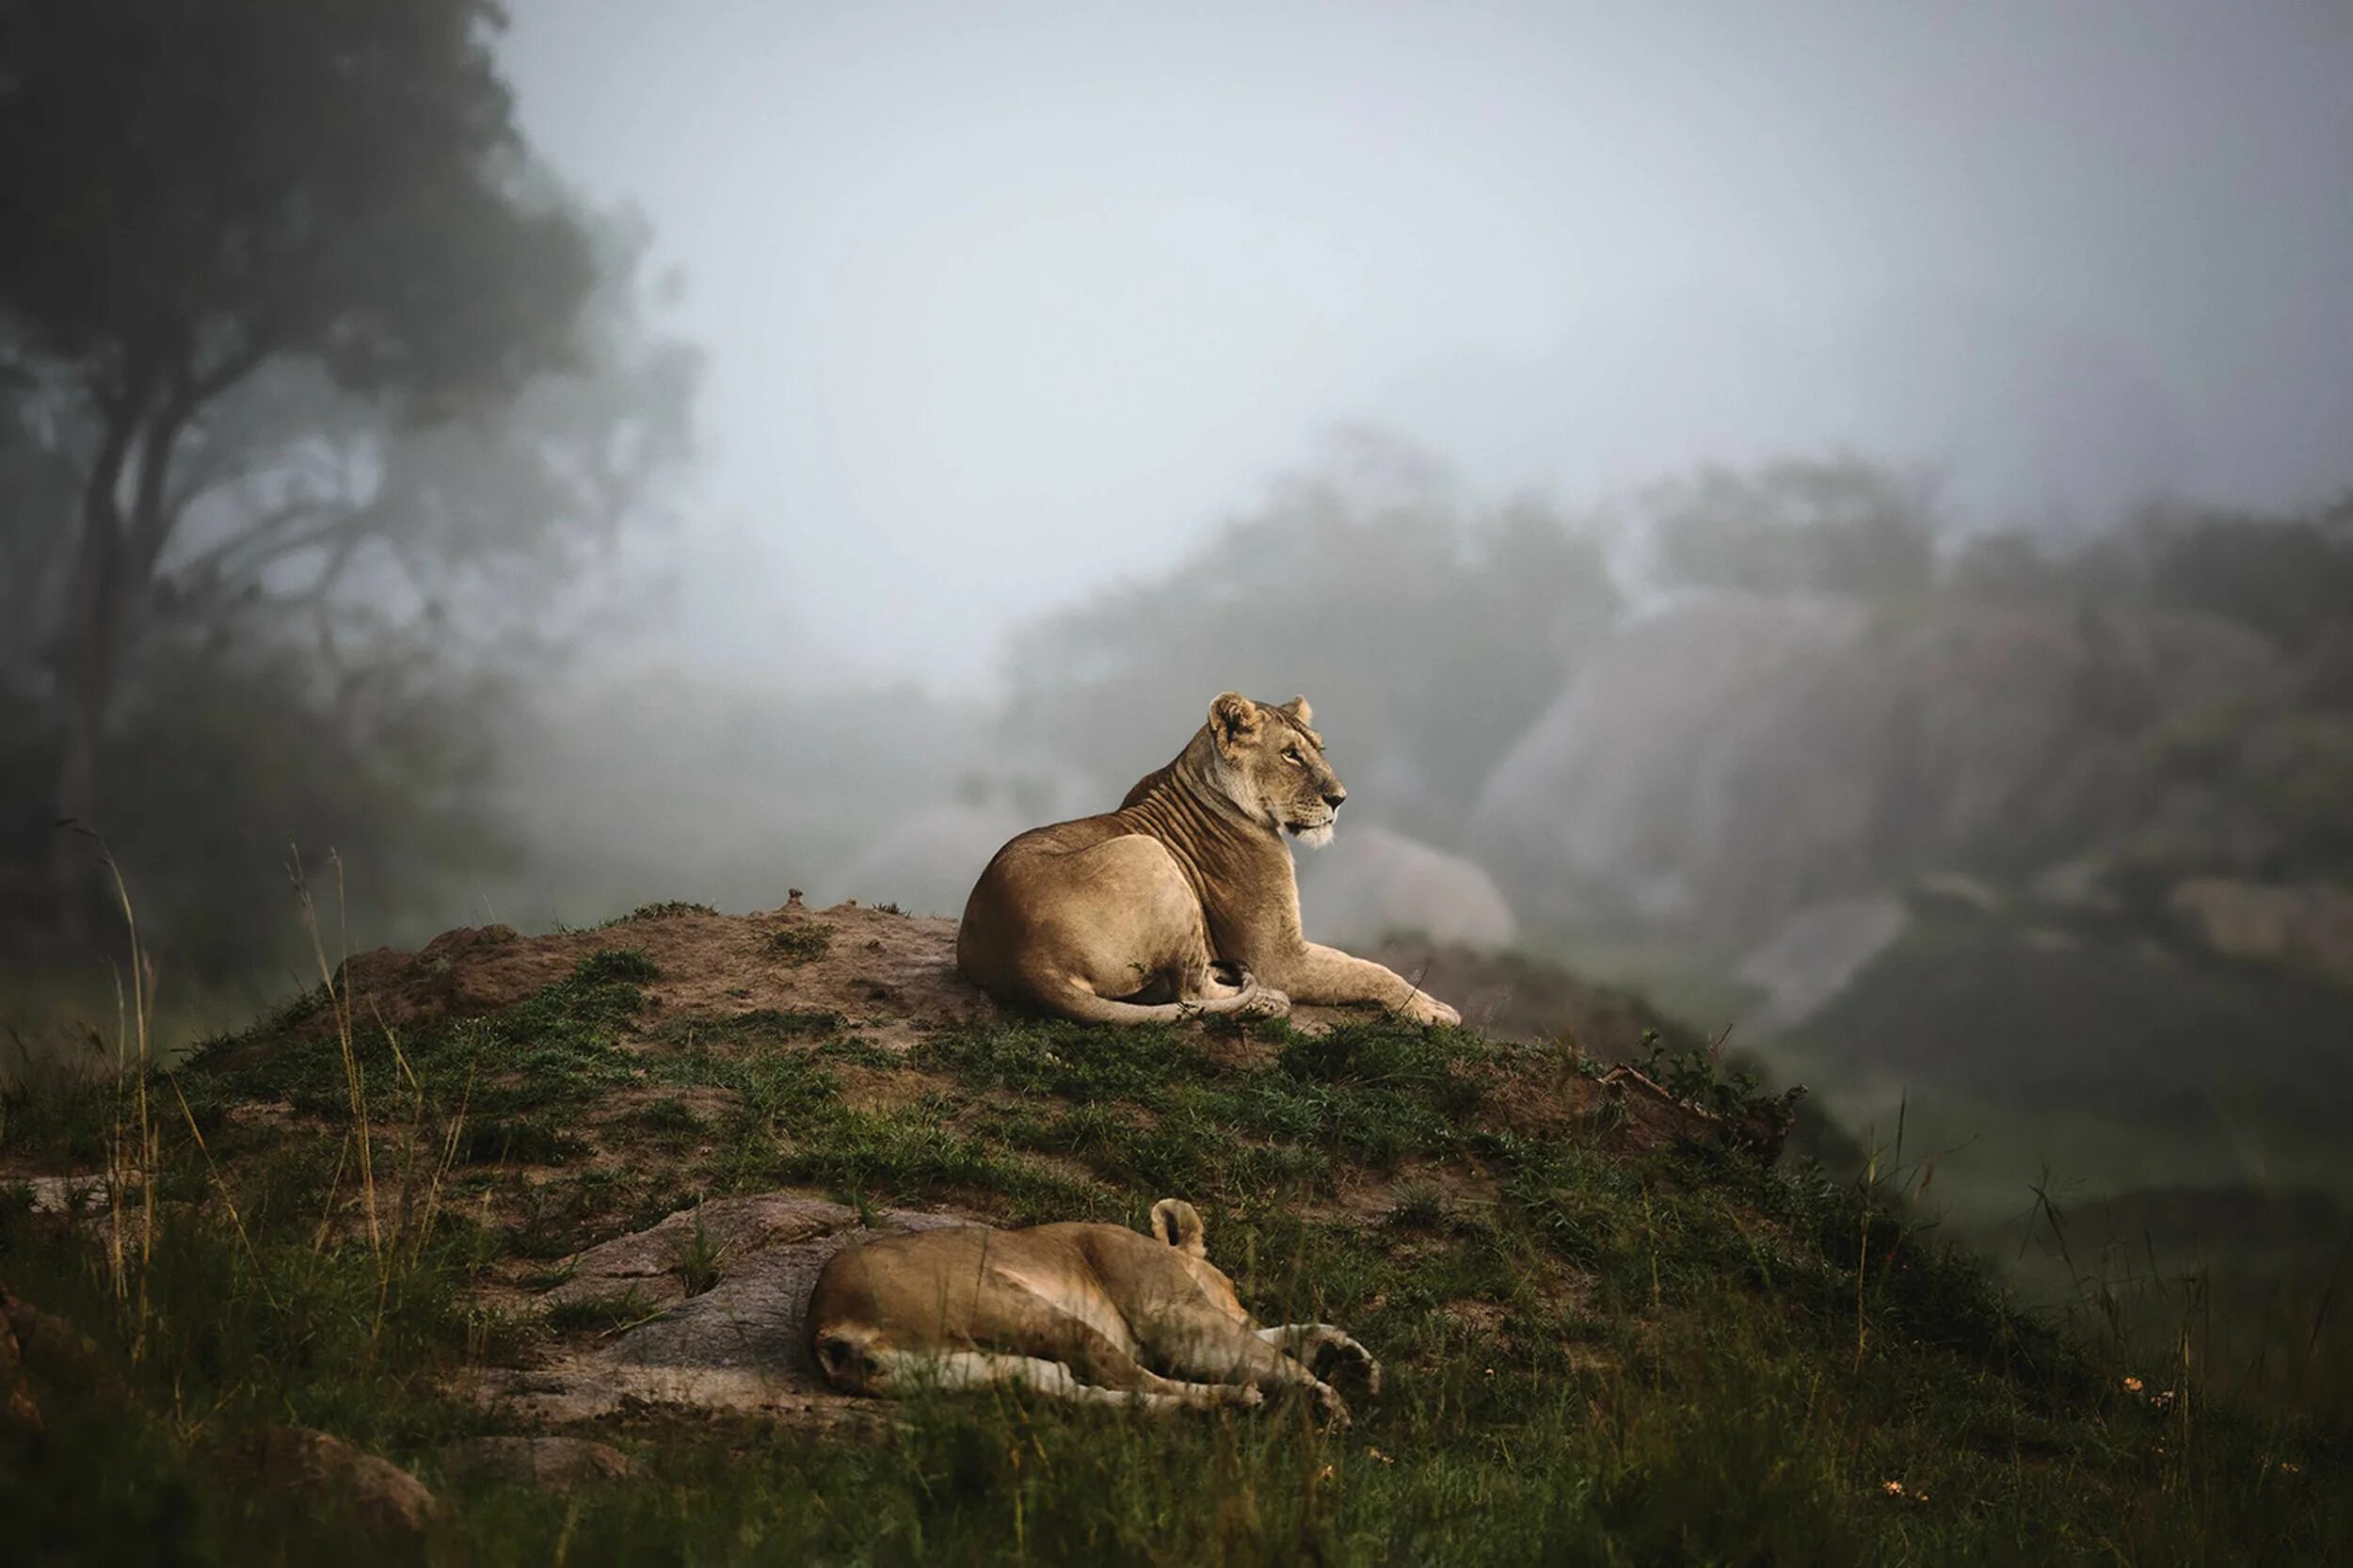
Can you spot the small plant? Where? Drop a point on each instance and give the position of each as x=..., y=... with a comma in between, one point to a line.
x=670, y=1117
x=798, y=944
x=698, y=1262
x=668, y=910
x=1419, y=1207
x=524, y=1140
x=601, y=1314
x=1698, y=1076
x=607, y=965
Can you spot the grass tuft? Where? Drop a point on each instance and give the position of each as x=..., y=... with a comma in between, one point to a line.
x=801, y=942
x=629, y=964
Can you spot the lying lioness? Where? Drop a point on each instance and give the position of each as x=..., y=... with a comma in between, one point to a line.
x=1128, y=918
x=1089, y=1313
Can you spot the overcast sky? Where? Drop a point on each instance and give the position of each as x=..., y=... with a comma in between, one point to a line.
x=1002, y=301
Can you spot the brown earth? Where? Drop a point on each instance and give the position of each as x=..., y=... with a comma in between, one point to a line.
x=891, y=976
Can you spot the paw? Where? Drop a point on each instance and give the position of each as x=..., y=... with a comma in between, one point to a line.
x=1336, y=1414
x=1269, y=1004
x=1425, y=1009
x=1344, y=1356
x=1248, y=1395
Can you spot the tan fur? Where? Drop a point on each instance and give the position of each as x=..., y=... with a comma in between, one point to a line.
x=1083, y=1312
x=1125, y=918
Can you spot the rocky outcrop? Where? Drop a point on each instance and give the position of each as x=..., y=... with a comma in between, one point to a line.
x=371, y=1489
x=723, y=1289
x=2307, y=927
x=1816, y=954
x=1654, y=780
x=35, y=1343
x=1731, y=760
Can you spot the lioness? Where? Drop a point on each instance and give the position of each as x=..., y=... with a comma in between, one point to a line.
x=1083, y=1312
x=1127, y=918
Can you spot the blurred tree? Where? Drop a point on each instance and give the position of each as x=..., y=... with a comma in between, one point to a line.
x=2290, y=578
x=195, y=194
x=1838, y=525
x=1428, y=631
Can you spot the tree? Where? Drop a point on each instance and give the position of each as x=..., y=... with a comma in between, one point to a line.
x=1840, y=525
x=1429, y=628
x=197, y=192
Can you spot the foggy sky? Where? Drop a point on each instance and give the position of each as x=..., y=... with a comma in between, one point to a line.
x=1004, y=301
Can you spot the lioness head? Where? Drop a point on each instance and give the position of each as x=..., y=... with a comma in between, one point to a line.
x=1179, y=1224
x=1272, y=765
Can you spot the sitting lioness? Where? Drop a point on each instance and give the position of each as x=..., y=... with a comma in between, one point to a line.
x=1090, y=1313
x=1128, y=918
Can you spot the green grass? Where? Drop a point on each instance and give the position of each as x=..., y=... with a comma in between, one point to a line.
x=1594, y=1355
x=616, y=964
x=667, y=909
x=798, y=944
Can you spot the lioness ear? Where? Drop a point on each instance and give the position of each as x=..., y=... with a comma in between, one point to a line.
x=1179, y=1224
x=1297, y=708
x=1234, y=717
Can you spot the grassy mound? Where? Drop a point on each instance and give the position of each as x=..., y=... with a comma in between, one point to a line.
x=1611, y=1338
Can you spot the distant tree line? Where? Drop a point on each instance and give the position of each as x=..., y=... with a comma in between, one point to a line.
x=316, y=396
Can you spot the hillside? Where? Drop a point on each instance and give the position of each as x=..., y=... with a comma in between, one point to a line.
x=496, y=1253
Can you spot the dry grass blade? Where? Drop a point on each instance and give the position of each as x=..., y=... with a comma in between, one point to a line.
x=339, y=999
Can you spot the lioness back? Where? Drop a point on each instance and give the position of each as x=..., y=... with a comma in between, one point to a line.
x=1184, y=900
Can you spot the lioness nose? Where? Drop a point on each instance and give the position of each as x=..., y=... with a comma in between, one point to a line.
x=1333, y=799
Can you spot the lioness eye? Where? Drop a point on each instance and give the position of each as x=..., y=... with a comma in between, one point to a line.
x=1290, y=754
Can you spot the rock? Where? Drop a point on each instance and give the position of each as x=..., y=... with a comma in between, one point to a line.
x=82, y=1194
x=2308, y=927
x=737, y=1346
x=2076, y=887
x=554, y=1464
x=1955, y=890
x=1728, y=760
x=1644, y=788
x=17, y=1407
x=734, y=1232
x=1816, y=954
x=372, y=1489
x=66, y=1358
x=1372, y=882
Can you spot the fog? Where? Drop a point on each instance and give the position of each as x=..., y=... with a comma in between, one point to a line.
x=1004, y=303
x=1833, y=518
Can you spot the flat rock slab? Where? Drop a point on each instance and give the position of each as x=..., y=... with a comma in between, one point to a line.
x=366, y=1487
x=81, y=1193
x=736, y=1346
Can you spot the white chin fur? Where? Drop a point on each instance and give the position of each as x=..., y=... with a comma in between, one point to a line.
x=1316, y=838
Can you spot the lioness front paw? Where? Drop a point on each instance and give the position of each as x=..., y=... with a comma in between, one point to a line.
x=1269, y=1003
x=1425, y=1009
